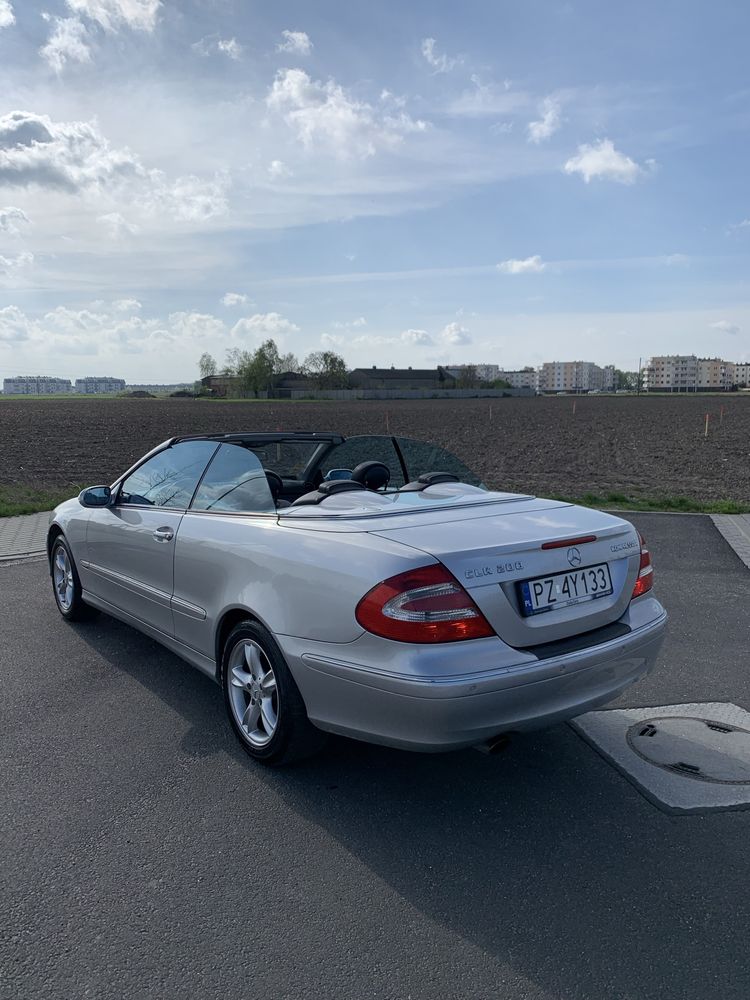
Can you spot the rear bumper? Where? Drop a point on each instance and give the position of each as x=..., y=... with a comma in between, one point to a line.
x=441, y=711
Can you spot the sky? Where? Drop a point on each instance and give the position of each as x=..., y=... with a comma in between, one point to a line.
x=505, y=182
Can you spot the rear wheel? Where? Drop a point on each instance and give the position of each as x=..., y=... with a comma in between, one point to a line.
x=66, y=585
x=263, y=703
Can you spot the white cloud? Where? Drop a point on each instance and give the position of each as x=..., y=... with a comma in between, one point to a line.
x=548, y=124
x=9, y=264
x=14, y=325
x=230, y=47
x=9, y=217
x=117, y=224
x=324, y=113
x=297, y=42
x=7, y=17
x=439, y=61
x=418, y=338
x=529, y=265
x=454, y=333
x=262, y=325
x=212, y=45
x=195, y=326
x=126, y=305
x=601, y=159
x=194, y=200
x=67, y=43
x=353, y=324
x=113, y=14
x=332, y=340
x=76, y=158
x=68, y=155
x=233, y=299
x=278, y=170
x=724, y=326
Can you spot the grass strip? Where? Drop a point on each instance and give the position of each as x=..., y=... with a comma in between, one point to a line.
x=663, y=504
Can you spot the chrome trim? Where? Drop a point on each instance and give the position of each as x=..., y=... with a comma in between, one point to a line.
x=160, y=597
x=187, y=609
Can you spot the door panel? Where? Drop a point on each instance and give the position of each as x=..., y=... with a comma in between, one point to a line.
x=131, y=561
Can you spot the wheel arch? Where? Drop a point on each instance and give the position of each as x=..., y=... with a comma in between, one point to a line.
x=54, y=532
x=229, y=620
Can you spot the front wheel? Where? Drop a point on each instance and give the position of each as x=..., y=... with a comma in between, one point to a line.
x=66, y=585
x=263, y=703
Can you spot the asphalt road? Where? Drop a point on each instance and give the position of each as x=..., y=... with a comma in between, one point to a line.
x=144, y=855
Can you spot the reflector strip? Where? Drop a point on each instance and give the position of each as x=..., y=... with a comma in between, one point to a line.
x=563, y=543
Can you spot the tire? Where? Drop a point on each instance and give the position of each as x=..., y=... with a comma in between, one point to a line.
x=66, y=585
x=262, y=700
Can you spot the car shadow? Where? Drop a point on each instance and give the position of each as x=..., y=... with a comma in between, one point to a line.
x=542, y=856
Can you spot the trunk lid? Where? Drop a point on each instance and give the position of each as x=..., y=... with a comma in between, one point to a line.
x=492, y=550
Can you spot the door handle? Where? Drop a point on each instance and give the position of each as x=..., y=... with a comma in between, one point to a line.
x=164, y=534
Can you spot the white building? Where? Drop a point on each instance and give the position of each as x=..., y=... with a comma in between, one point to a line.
x=742, y=375
x=689, y=373
x=93, y=384
x=36, y=385
x=576, y=376
x=486, y=373
x=525, y=378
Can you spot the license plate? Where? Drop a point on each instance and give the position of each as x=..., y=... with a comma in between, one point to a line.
x=549, y=593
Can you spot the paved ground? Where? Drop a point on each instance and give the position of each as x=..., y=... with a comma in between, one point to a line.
x=143, y=855
x=24, y=535
x=736, y=530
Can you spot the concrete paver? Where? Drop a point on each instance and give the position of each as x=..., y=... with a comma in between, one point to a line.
x=25, y=535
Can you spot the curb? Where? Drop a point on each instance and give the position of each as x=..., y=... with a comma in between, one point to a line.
x=17, y=557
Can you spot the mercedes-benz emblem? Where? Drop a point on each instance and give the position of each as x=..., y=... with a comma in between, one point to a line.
x=574, y=557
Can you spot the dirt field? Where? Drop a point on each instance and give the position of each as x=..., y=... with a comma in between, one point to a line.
x=647, y=446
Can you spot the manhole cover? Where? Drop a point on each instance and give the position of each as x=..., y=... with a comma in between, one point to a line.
x=703, y=749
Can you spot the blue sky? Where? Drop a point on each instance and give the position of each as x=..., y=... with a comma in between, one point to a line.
x=506, y=182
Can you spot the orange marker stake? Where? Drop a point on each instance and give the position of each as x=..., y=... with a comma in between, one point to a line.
x=574, y=407
x=707, y=419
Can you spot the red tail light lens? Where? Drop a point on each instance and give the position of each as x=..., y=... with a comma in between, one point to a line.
x=422, y=605
x=645, y=580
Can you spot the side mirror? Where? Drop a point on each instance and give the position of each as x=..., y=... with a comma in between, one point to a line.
x=95, y=496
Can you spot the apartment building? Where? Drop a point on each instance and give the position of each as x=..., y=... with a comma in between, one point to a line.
x=689, y=373
x=576, y=376
x=93, y=384
x=742, y=375
x=524, y=378
x=36, y=385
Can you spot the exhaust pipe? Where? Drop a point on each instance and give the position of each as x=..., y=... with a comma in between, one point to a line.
x=494, y=745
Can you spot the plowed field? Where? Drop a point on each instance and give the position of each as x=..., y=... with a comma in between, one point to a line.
x=637, y=446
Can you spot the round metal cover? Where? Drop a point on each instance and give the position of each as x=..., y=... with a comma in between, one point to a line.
x=696, y=748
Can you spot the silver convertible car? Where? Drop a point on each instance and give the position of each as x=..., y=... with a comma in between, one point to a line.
x=368, y=586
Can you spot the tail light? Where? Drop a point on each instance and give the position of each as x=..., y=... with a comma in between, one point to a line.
x=422, y=605
x=645, y=580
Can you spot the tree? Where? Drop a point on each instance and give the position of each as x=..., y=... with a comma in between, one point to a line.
x=234, y=360
x=206, y=365
x=501, y=383
x=468, y=378
x=289, y=363
x=627, y=380
x=258, y=369
x=326, y=369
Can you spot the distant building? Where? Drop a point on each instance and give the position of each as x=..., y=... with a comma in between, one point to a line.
x=742, y=375
x=484, y=373
x=157, y=387
x=401, y=378
x=36, y=385
x=576, y=376
x=524, y=378
x=91, y=384
x=689, y=373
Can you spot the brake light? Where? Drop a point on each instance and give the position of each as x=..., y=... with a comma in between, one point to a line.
x=422, y=605
x=645, y=580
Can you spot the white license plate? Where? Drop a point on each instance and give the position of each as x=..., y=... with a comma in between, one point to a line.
x=548, y=593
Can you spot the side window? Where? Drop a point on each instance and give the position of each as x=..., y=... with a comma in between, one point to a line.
x=169, y=478
x=365, y=448
x=421, y=457
x=235, y=481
